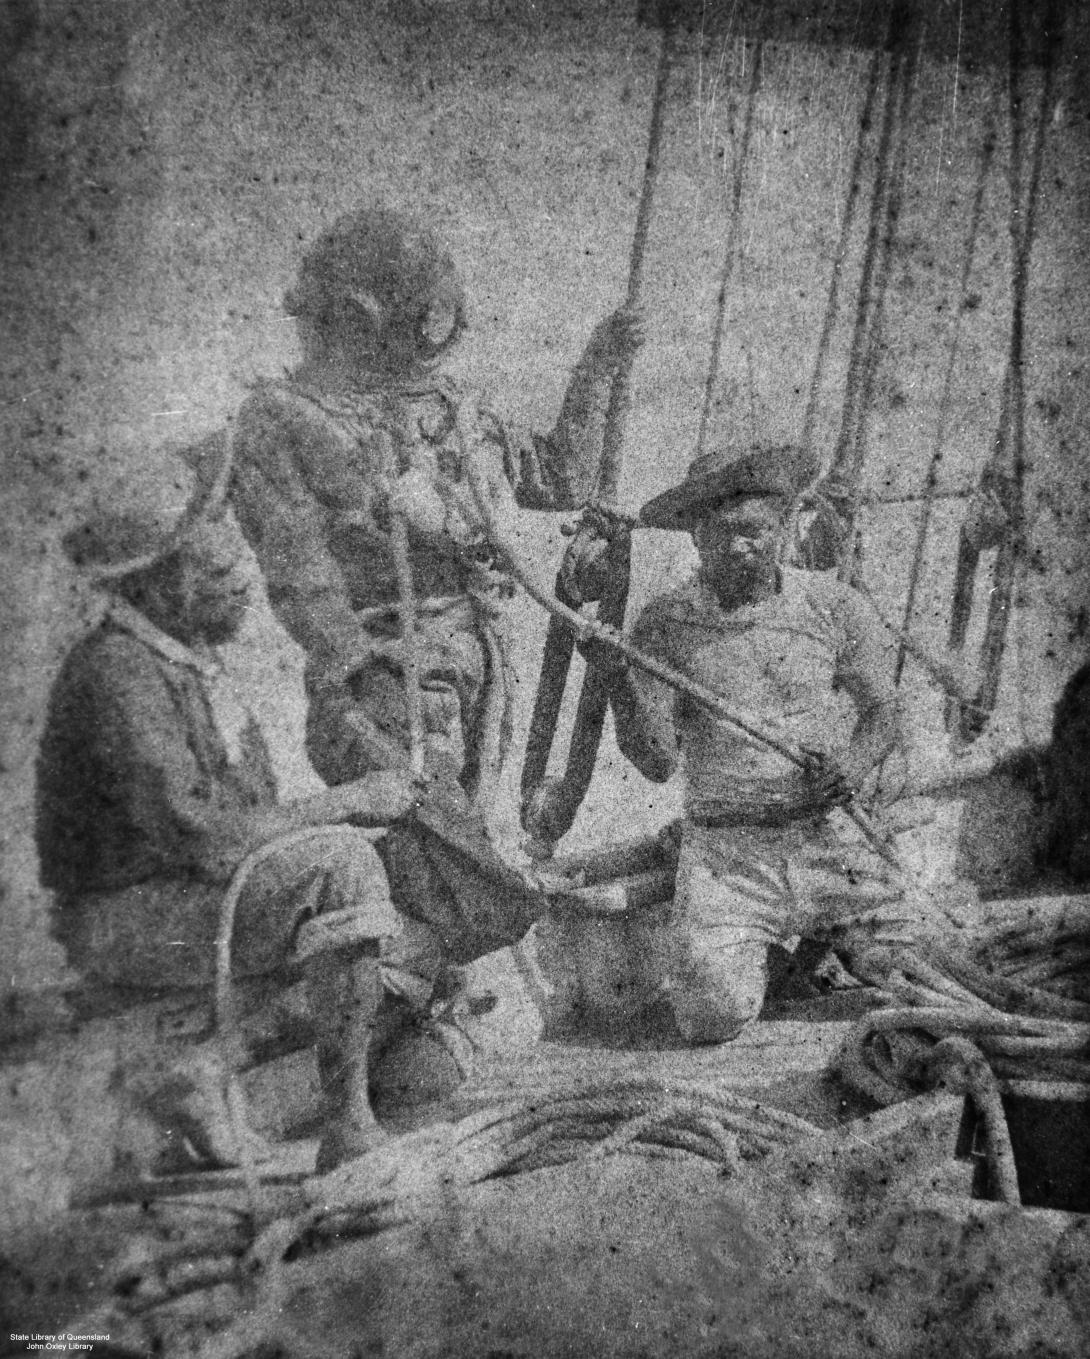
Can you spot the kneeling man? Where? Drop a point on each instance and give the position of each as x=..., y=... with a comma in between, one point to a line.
x=804, y=655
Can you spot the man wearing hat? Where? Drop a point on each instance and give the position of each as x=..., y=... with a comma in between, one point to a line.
x=806, y=658
x=154, y=785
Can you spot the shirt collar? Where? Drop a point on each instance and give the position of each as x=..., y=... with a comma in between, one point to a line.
x=132, y=621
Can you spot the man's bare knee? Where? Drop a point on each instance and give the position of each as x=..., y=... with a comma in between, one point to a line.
x=720, y=990
x=703, y=1018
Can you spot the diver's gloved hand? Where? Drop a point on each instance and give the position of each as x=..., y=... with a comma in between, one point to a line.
x=589, y=558
x=827, y=781
x=618, y=337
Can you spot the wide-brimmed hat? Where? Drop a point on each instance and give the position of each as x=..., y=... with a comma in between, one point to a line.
x=731, y=473
x=133, y=526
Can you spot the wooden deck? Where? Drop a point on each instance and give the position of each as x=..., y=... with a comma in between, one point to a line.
x=60, y=1113
x=765, y=1052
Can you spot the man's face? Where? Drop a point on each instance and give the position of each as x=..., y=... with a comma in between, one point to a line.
x=212, y=587
x=739, y=545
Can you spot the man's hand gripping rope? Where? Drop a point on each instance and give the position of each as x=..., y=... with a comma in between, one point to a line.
x=488, y=495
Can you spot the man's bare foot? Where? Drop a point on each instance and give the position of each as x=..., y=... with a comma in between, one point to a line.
x=189, y=1101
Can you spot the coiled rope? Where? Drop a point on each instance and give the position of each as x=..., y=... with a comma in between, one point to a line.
x=953, y=1016
x=246, y=1262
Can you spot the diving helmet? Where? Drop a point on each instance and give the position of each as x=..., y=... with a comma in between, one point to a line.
x=378, y=276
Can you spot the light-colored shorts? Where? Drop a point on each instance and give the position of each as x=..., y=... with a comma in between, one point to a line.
x=776, y=884
x=161, y=933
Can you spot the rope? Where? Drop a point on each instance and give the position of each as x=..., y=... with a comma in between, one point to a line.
x=854, y=186
x=549, y=809
x=958, y=1065
x=414, y=1177
x=936, y=975
x=410, y=659
x=930, y=489
x=609, y=471
x=870, y=253
x=494, y=734
x=586, y=629
x=1012, y=432
x=863, y=362
x=410, y=647
x=942, y=1045
x=731, y=247
x=957, y=1034
x=1012, y=993
x=855, y=183
x=963, y=1047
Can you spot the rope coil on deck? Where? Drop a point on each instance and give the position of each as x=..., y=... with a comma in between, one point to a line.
x=964, y=1028
x=245, y=1262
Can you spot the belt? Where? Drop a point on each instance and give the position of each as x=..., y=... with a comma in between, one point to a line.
x=759, y=814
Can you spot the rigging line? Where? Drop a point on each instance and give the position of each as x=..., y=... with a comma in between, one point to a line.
x=1053, y=20
x=910, y=58
x=855, y=183
x=549, y=809
x=609, y=473
x=651, y=163
x=953, y=102
x=847, y=222
x=1009, y=433
x=1023, y=232
x=965, y=570
x=1013, y=432
x=717, y=73
x=870, y=252
x=986, y=482
x=731, y=246
x=931, y=480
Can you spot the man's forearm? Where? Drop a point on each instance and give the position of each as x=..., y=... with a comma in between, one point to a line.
x=226, y=838
x=320, y=810
x=576, y=440
x=330, y=807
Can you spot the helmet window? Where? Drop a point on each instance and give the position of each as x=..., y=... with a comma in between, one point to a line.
x=438, y=324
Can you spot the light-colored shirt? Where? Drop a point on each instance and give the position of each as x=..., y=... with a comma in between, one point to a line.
x=795, y=661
